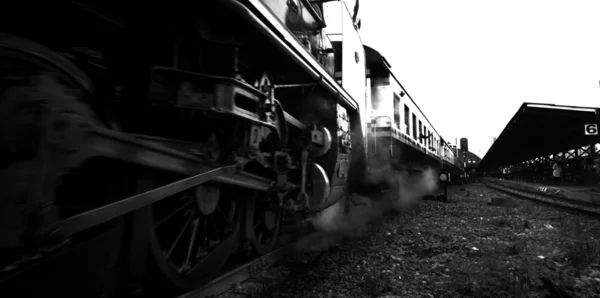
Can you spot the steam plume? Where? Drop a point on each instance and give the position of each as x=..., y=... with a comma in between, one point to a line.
x=332, y=224
x=392, y=191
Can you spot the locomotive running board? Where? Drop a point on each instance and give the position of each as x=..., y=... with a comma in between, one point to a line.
x=285, y=40
x=83, y=221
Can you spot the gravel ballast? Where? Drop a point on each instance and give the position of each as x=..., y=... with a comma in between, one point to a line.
x=466, y=247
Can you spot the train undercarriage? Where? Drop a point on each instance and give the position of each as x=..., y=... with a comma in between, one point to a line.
x=182, y=135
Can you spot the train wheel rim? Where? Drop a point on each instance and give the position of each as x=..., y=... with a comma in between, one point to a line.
x=189, y=263
x=262, y=224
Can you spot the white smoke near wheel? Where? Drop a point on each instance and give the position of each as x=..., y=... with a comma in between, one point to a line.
x=403, y=192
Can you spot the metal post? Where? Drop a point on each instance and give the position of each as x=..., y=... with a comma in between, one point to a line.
x=465, y=167
x=445, y=178
x=445, y=192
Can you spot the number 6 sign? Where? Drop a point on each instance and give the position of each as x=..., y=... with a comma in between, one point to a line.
x=591, y=129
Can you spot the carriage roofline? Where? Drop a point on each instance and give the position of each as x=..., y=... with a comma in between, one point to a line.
x=374, y=57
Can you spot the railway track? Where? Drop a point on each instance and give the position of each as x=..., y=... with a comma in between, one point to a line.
x=570, y=204
x=235, y=275
x=241, y=273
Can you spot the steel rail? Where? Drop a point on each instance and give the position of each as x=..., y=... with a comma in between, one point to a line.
x=547, y=199
x=239, y=274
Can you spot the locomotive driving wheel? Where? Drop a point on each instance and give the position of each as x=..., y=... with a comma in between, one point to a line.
x=263, y=219
x=192, y=234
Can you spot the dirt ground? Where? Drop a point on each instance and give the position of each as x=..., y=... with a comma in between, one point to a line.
x=465, y=247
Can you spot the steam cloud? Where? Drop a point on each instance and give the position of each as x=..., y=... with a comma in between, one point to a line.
x=405, y=190
x=367, y=204
x=332, y=224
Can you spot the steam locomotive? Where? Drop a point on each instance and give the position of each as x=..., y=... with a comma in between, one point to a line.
x=151, y=143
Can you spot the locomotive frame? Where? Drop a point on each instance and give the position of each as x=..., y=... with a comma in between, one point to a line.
x=211, y=122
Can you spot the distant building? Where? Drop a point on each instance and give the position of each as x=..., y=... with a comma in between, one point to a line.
x=472, y=161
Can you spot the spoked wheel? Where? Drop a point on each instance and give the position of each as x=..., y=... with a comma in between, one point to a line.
x=192, y=234
x=263, y=220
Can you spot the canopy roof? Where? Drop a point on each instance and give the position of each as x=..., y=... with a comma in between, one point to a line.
x=541, y=129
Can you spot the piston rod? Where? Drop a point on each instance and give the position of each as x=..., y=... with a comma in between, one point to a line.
x=86, y=220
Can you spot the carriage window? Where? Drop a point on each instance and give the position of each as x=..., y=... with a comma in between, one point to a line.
x=397, y=111
x=414, y=126
x=406, y=119
x=420, y=132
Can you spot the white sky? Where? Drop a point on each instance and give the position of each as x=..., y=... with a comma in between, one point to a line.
x=469, y=65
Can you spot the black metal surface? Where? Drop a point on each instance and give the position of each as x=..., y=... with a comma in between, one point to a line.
x=540, y=129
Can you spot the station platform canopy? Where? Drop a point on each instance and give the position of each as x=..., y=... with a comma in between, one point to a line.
x=540, y=130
